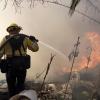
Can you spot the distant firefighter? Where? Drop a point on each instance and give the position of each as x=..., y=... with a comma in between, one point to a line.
x=74, y=3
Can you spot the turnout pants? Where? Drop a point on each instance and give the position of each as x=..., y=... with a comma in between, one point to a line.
x=15, y=81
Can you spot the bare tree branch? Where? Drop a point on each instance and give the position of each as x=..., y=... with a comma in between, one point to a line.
x=74, y=3
x=47, y=70
x=92, y=4
x=17, y=5
x=5, y=5
x=71, y=70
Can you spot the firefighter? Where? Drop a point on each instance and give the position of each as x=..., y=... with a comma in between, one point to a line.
x=15, y=51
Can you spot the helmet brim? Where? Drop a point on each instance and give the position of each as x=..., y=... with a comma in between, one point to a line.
x=10, y=28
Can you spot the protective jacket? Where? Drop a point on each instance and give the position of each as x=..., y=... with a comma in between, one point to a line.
x=27, y=43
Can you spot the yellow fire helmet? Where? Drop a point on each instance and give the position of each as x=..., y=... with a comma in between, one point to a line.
x=13, y=26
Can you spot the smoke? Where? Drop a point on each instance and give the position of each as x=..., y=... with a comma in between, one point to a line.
x=89, y=59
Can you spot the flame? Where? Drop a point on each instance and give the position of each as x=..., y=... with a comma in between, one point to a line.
x=94, y=39
x=94, y=42
x=66, y=69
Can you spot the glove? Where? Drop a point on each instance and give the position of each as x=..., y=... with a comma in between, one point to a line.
x=32, y=38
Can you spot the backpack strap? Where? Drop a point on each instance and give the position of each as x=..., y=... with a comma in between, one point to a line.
x=16, y=43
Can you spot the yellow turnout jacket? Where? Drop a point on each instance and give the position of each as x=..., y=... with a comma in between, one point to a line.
x=7, y=50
